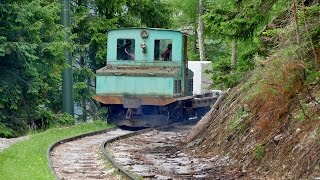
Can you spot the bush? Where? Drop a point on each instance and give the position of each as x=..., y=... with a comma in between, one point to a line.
x=259, y=152
x=65, y=119
x=47, y=119
x=4, y=131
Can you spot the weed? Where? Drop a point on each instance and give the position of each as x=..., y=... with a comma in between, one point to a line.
x=253, y=93
x=236, y=122
x=299, y=116
x=313, y=76
x=259, y=151
x=4, y=131
x=318, y=131
x=243, y=128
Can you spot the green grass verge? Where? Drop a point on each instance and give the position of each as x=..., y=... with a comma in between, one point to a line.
x=28, y=159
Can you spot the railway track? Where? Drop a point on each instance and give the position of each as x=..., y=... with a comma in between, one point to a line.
x=150, y=154
x=160, y=154
x=80, y=158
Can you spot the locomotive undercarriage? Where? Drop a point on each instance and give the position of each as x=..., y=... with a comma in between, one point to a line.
x=154, y=116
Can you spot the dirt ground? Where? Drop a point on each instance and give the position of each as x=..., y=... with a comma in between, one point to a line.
x=273, y=132
x=160, y=154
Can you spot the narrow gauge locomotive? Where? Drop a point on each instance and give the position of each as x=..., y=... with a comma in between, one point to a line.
x=146, y=81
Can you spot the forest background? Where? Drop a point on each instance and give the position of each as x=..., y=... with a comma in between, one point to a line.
x=236, y=35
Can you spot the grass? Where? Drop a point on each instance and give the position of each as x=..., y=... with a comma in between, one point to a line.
x=28, y=159
x=259, y=152
x=237, y=121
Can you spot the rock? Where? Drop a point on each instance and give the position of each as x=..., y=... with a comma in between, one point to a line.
x=278, y=137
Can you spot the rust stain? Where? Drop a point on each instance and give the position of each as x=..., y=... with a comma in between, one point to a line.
x=144, y=100
x=157, y=101
x=108, y=99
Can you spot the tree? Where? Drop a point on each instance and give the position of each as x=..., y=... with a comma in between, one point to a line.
x=187, y=16
x=200, y=31
x=239, y=23
x=31, y=63
x=92, y=20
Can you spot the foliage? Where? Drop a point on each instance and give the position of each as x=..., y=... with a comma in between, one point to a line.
x=150, y=13
x=296, y=33
x=91, y=21
x=312, y=14
x=259, y=151
x=237, y=123
x=4, y=131
x=184, y=13
x=185, y=17
x=243, y=21
x=313, y=76
x=224, y=75
x=32, y=55
x=28, y=159
x=31, y=61
x=272, y=96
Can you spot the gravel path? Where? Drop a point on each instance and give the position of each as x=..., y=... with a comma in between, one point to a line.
x=5, y=143
x=159, y=154
x=81, y=158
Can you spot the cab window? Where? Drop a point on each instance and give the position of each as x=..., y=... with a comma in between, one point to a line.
x=125, y=49
x=163, y=50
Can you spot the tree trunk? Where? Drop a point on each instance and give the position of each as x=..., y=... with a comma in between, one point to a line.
x=295, y=14
x=234, y=53
x=309, y=37
x=200, y=32
x=82, y=64
x=83, y=101
x=205, y=121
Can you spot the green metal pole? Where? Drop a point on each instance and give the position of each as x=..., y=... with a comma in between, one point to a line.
x=67, y=80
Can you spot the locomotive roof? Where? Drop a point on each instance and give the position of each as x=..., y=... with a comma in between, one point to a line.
x=155, y=29
x=138, y=71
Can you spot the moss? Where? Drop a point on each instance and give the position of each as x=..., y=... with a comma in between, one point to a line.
x=318, y=131
x=243, y=128
x=259, y=152
x=299, y=116
x=237, y=121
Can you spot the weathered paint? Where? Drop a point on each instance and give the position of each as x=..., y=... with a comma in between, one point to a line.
x=145, y=58
x=118, y=85
x=144, y=76
x=151, y=100
x=140, y=71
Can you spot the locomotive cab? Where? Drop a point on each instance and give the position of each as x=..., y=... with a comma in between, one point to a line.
x=146, y=81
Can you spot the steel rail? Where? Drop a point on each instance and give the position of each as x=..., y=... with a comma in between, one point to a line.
x=103, y=146
x=109, y=157
x=69, y=140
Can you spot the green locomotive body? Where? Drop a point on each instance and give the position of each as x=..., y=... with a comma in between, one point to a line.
x=146, y=81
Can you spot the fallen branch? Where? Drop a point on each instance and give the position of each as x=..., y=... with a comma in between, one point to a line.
x=204, y=122
x=304, y=113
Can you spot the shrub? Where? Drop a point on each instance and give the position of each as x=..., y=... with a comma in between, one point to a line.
x=4, y=131
x=65, y=119
x=259, y=152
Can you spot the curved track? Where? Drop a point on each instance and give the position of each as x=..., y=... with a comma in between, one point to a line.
x=149, y=154
x=80, y=158
x=159, y=154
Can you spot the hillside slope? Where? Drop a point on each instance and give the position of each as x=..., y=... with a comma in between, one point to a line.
x=269, y=124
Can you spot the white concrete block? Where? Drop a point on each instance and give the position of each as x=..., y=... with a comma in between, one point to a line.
x=201, y=80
